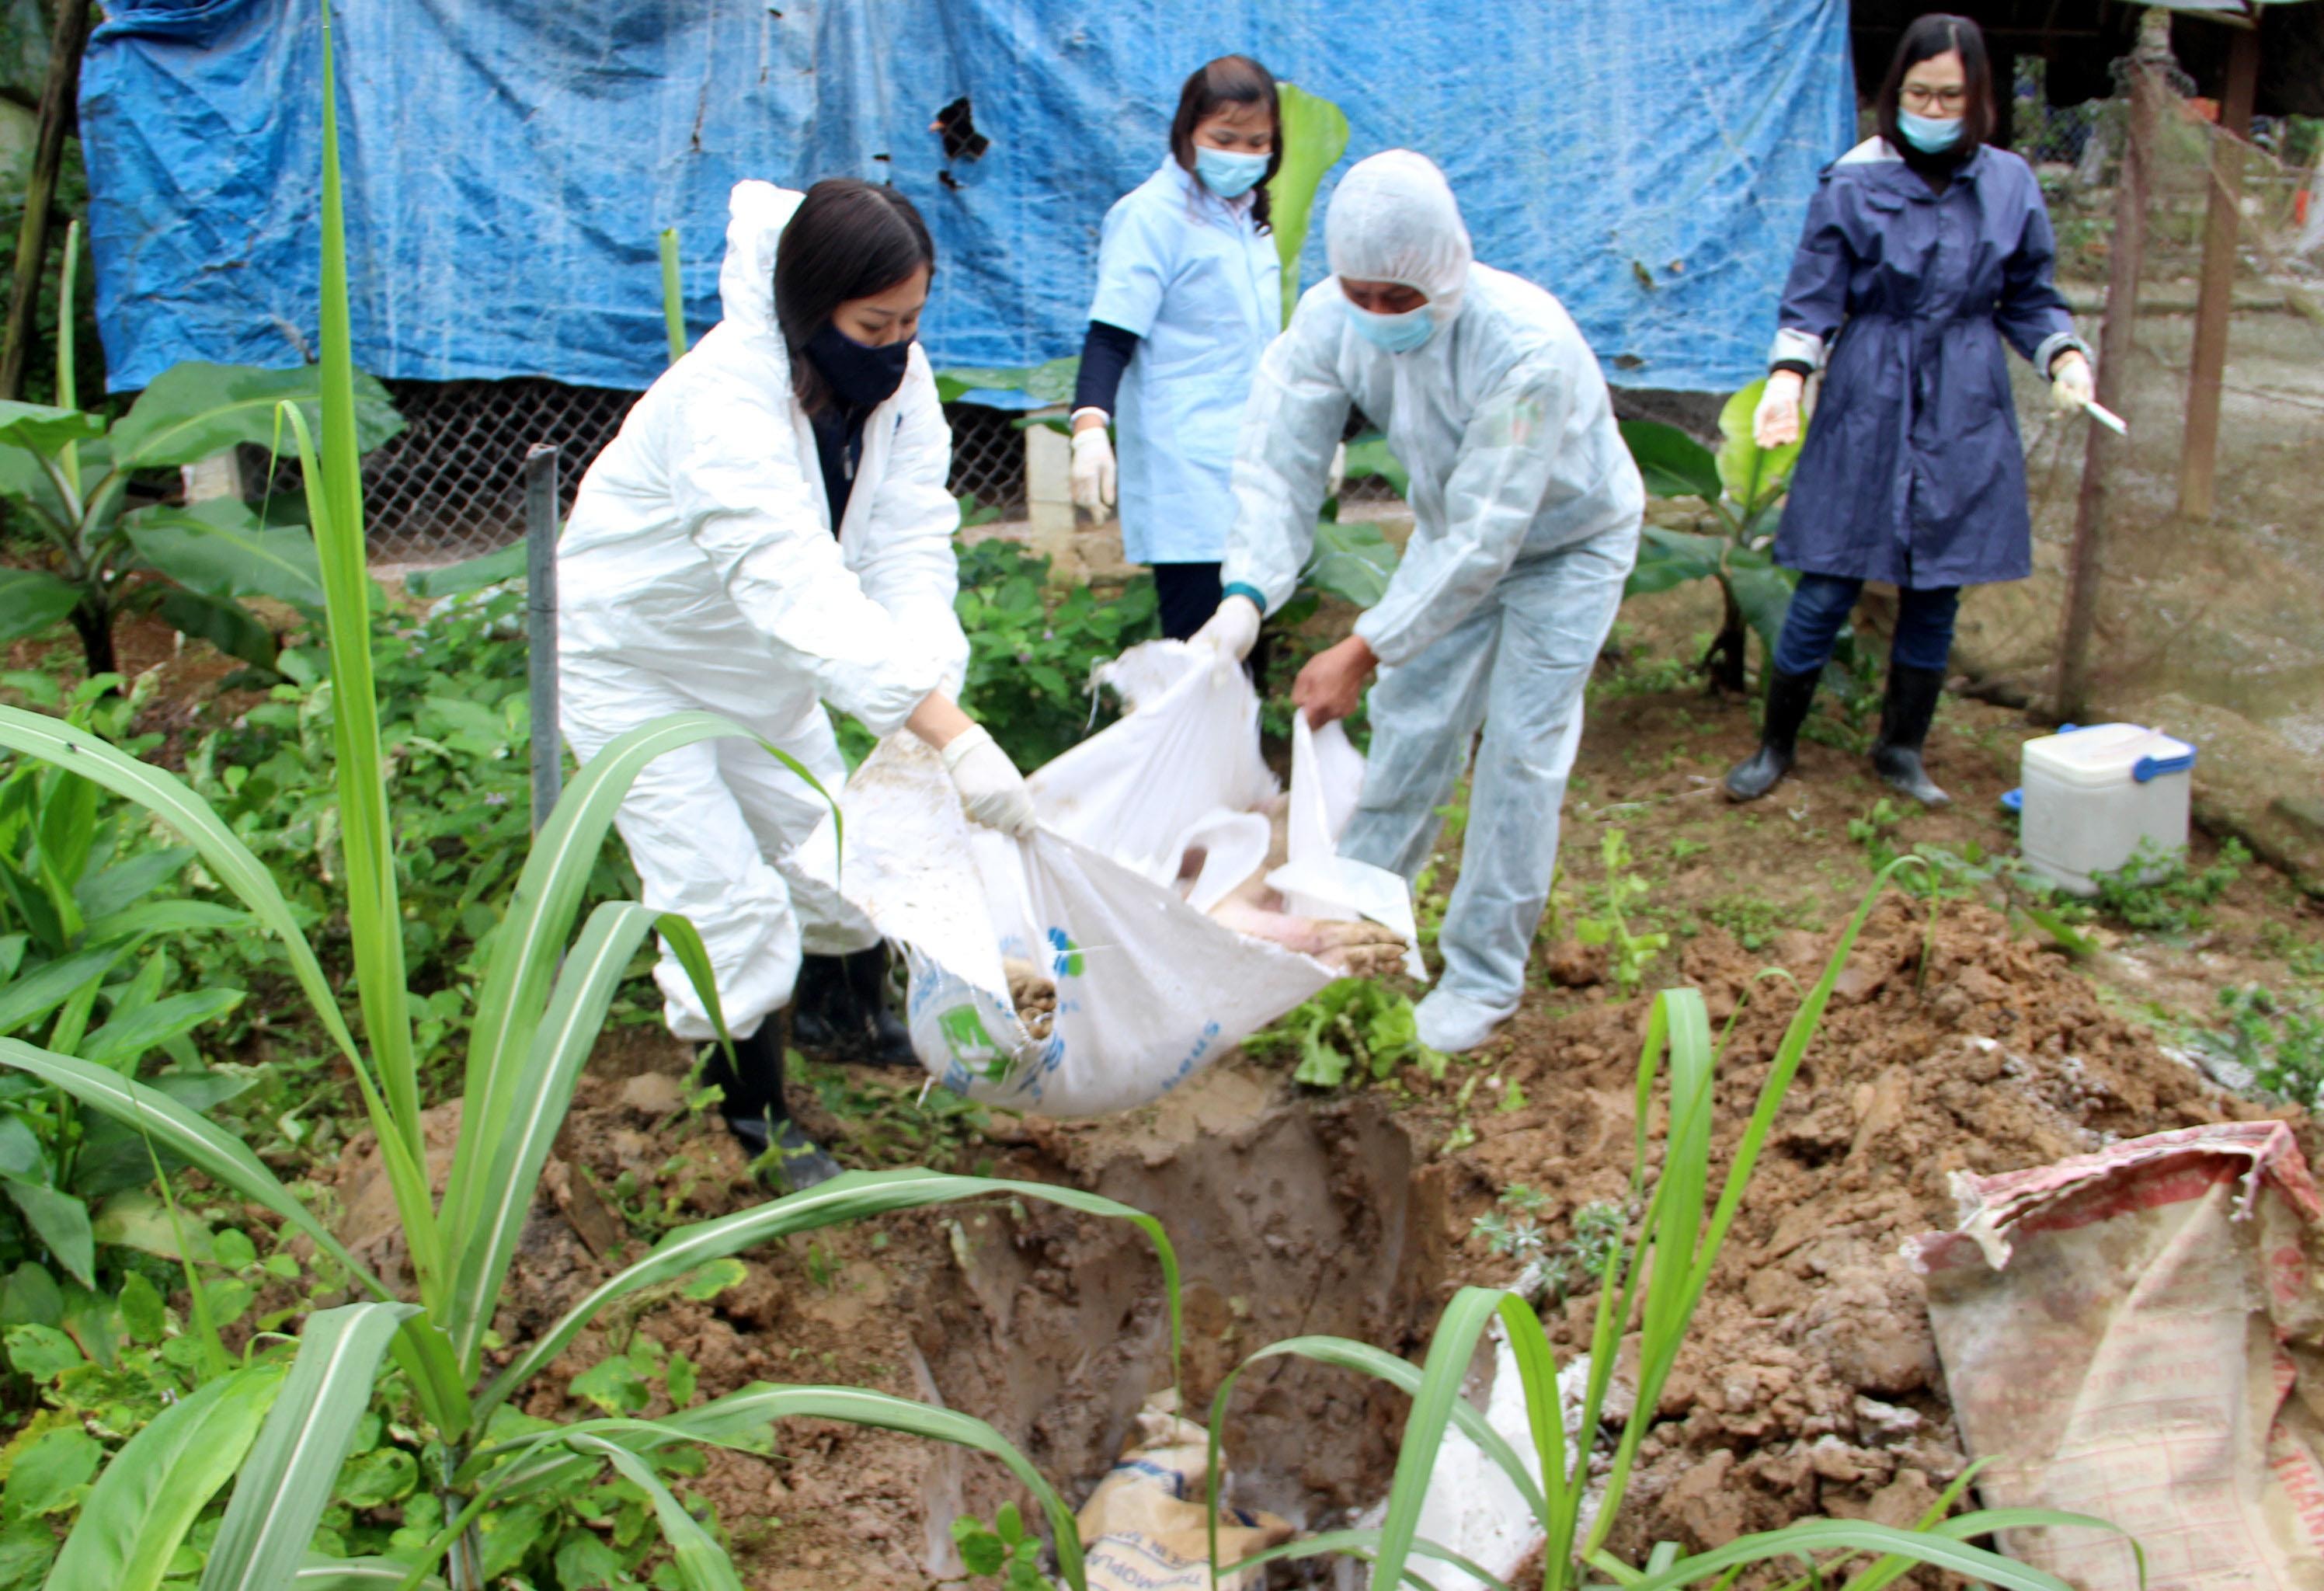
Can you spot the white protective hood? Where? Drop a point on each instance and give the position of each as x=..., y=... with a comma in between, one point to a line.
x=1394, y=218
x=756, y=214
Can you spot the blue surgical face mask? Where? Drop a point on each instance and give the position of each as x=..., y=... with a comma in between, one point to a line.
x=1226, y=173
x=1929, y=134
x=1397, y=334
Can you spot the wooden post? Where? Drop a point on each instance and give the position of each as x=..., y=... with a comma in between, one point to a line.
x=2127, y=257
x=60, y=99
x=2198, y=452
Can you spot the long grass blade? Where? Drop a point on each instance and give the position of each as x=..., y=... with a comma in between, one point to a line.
x=853, y=1196
x=142, y=1505
x=1932, y=1547
x=1342, y=1352
x=358, y=1574
x=531, y=939
x=744, y=1418
x=434, y=1371
x=702, y=1564
x=68, y=376
x=561, y=1046
x=1450, y=1351
x=185, y=1133
x=673, y=296
x=288, y=1482
x=1537, y=1364
x=1364, y=1545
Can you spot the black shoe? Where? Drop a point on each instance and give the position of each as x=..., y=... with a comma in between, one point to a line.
x=1789, y=696
x=780, y=1149
x=1904, y=718
x=839, y=1011
x=754, y=1110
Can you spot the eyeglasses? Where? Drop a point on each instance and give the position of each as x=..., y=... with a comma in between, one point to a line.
x=1920, y=96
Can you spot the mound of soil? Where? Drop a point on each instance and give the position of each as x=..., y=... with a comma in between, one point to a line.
x=1810, y=1384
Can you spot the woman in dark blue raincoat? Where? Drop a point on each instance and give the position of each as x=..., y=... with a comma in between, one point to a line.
x=1925, y=248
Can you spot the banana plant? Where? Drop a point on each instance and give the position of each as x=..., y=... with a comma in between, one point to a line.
x=1742, y=486
x=540, y=1005
x=1650, y=1284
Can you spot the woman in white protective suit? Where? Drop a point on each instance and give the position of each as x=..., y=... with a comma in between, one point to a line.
x=1525, y=510
x=770, y=531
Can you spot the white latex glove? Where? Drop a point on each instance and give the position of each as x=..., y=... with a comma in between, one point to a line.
x=1339, y=477
x=2072, y=383
x=1776, y=422
x=992, y=791
x=1234, y=630
x=1093, y=471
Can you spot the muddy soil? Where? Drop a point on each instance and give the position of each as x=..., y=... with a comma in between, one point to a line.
x=1810, y=1385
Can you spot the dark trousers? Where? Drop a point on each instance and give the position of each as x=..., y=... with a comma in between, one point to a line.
x=1822, y=603
x=1189, y=594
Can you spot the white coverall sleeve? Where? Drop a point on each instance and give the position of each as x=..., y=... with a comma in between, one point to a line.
x=1291, y=423
x=735, y=478
x=1504, y=469
x=909, y=566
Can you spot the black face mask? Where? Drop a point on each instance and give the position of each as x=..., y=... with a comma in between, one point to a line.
x=860, y=374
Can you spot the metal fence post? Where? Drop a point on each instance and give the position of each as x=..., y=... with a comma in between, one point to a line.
x=540, y=528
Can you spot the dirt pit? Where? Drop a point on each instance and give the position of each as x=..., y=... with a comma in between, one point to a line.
x=1810, y=1385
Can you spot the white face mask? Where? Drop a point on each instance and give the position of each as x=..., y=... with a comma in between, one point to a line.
x=1396, y=333
x=1226, y=173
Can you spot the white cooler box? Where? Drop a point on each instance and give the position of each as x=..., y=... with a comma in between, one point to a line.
x=2095, y=794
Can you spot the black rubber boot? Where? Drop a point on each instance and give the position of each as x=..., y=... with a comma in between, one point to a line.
x=887, y=1041
x=840, y=1015
x=1904, y=718
x=1789, y=696
x=754, y=1110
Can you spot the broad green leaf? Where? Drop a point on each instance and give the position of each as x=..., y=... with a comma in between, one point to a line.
x=1353, y=563
x=1315, y=134
x=585, y=990
x=192, y=411
x=1052, y=382
x=853, y=1196
x=62, y=1223
x=123, y=885
x=220, y=550
x=1752, y=475
x=30, y=999
x=1764, y=592
x=119, y=1042
x=1668, y=558
x=46, y=1476
x=223, y=622
x=44, y=430
x=702, y=1564
x=41, y=1351
x=281, y=1492
x=31, y=601
x=149, y=1496
x=1368, y=456
x=173, y=1126
x=457, y=579
x=21, y=1155
x=1674, y=464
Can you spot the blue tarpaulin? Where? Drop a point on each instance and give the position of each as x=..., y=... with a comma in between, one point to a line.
x=509, y=165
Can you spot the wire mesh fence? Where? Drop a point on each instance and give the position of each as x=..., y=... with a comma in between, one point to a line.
x=450, y=485
x=2195, y=539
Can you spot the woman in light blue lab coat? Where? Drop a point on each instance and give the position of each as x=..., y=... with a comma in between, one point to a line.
x=1189, y=294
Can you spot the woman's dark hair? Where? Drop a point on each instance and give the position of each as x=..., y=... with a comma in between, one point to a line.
x=847, y=240
x=1231, y=79
x=1929, y=36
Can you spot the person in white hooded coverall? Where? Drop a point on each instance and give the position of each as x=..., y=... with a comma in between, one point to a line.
x=1526, y=509
x=705, y=568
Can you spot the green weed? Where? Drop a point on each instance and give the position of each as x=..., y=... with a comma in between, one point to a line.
x=1614, y=901
x=1353, y=1031
x=2278, y=1039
